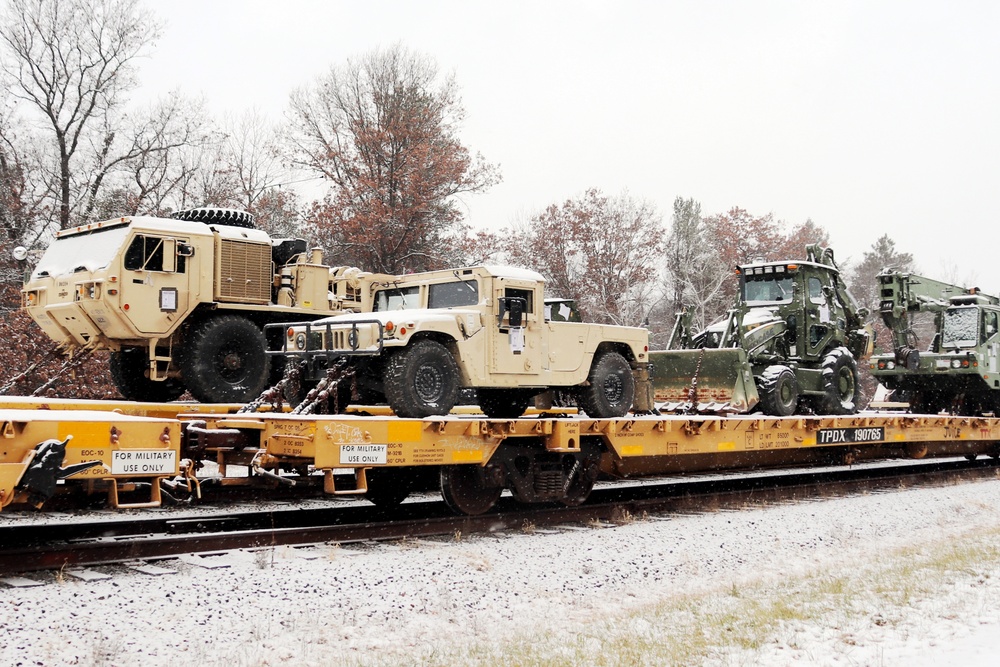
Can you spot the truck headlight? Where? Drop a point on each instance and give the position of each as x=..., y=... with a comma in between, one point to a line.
x=956, y=363
x=890, y=365
x=300, y=341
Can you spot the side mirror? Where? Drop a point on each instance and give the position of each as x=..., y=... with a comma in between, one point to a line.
x=516, y=310
x=185, y=250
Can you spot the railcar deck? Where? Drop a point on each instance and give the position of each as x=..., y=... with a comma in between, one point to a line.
x=280, y=447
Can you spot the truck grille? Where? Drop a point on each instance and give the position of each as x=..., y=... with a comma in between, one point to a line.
x=339, y=340
x=247, y=270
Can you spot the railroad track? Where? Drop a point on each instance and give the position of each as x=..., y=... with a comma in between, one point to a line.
x=52, y=546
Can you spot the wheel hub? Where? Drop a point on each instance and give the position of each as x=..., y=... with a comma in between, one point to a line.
x=232, y=361
x=614, y=389
x=428, y=383
x=845, y=385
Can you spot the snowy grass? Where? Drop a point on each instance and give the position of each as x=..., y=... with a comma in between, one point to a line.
x=758, y=622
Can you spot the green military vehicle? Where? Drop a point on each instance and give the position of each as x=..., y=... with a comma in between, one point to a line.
x=791, y=343
x=960, y=370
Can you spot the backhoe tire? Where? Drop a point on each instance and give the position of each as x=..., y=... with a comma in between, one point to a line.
x=610, y=389
x=130, y=372
x=779, y=391
x=224, y=360
x=840, y=380
x=504, y=403
x=422, y=380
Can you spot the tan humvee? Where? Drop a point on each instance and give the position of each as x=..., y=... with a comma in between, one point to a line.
x=488, y=328
x=181, y=303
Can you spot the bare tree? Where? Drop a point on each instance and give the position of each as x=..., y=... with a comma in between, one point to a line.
x=144, y=157
x=602, y=251
x=23, y=190
x=693, y=272
x=72, y=60
x=251, y=147
x=383, y=130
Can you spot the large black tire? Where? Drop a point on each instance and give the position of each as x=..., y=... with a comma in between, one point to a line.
x=504, y=403
x=779, y=391
x=224, y=360
x=129, y=370
x=610, y=387
x=840, y=380
x=219, y=216
x=422, y=380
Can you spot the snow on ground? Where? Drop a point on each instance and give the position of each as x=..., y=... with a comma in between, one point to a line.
x=907, y=577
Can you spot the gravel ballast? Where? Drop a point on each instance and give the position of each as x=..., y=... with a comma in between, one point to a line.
x=752, y=586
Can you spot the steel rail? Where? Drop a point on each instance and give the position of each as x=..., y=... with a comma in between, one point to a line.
x=55, y=546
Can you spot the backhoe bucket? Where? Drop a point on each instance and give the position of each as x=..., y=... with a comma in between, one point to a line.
x=721, y=378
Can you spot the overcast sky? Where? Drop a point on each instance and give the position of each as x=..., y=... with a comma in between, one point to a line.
x=869, y=117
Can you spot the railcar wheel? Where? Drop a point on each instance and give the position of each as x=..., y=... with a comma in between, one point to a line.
x=840, y=377
x=779, y=391
x=610, y=387
x=388, y=487
x=504, y=403
x=129, y=370
x=422, y=380
x=467, y=489
x=224, y=360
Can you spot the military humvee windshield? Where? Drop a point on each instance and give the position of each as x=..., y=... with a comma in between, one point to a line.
x=772, y=288
x=453, y=295
x=397, y=298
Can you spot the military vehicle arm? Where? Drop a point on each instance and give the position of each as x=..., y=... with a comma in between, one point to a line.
x=903, y=293
x=855, y=315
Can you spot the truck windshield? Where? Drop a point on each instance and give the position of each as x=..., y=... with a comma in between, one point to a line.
x=961, y=327
x=398, y=298
x=81, y=252
x=767, y=289
x=453, y=295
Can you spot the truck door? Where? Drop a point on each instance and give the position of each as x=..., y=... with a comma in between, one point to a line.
x=516, y=339
x=992, y=340
x=155, y=282
x=819, y=315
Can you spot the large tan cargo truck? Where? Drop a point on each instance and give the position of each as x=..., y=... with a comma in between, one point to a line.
x=181, y=302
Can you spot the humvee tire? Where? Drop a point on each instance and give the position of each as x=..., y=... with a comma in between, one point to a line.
x=610, y=387
x=422, y=380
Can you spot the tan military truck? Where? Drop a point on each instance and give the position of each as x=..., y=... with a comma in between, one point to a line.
x=181, y=303
x=431, y=334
